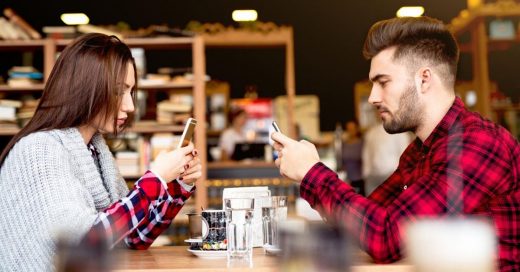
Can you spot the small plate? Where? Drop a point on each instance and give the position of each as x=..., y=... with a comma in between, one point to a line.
x=209, y=254
x=272, y=250
x=193, y=240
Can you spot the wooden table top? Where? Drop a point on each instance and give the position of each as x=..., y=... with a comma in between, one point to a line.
x=177, y=258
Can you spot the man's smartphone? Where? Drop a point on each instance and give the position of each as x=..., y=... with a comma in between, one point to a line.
x=275, y=126
x=187, y=134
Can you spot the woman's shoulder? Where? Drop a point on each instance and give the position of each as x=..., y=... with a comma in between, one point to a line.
x=46, y=142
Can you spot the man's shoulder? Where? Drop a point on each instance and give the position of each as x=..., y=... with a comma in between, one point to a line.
x=476, y=128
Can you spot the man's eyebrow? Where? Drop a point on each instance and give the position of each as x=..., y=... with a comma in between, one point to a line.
x=377, y=77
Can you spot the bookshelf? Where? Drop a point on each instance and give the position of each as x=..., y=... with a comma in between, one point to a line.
x=50, y=47
x=473, y=21
x=257, y=173
x=280, y=37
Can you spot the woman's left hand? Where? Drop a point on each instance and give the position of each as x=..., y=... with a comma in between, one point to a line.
x=193, y=171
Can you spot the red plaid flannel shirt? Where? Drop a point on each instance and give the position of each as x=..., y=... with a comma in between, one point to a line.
x=141, y=216
x=467, y=165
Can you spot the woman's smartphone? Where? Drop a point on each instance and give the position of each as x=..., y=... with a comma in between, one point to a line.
x=187, y=134
x=275, y=126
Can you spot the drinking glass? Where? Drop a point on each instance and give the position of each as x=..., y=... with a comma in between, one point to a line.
x=239, y=213
x=274, y=211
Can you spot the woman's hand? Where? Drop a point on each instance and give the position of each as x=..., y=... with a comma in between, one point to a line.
x=170, y=165
x=194, y=170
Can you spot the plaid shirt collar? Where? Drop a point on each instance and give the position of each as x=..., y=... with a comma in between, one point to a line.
x=443, y=128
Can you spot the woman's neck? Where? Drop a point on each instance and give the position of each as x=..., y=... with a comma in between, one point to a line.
x=87, y=132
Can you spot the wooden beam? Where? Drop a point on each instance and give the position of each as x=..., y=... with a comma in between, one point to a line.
x=479, y=41
x=199, y=95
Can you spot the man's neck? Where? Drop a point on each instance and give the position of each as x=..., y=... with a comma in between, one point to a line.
x=435, y=110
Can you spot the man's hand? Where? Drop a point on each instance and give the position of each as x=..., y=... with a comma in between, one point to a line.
x=295, y=159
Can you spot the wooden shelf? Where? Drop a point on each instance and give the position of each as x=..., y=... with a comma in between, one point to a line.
x=241, y=164
x=32, y=88
x=493, y=45
x=154, y=127
x=506, y=108
x=22, y=45
x=165, y=86
x=148, y=43
x=246, y=38
x=138, y=127
x=8, y=131
x=467, y=18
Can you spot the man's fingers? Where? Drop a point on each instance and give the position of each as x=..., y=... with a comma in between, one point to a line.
x=307, y=143
x=281, y=138
x=277, y=162
x=277, y=146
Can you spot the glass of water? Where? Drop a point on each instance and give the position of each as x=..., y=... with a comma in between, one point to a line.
x=239, y=213
x=274, y=211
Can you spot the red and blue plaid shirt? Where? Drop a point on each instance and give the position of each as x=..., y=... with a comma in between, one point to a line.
x=141, y=216
x=467, y=165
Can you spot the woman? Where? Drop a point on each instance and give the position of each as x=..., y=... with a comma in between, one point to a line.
x=233, y=134
x=58, y=177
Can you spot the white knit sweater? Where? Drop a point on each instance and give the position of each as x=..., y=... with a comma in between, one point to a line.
x=49, y=187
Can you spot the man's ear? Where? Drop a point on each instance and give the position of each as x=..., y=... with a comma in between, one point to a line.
x=424, y=79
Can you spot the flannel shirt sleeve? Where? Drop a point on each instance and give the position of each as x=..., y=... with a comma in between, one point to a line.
x=461, y=176
x=159, y=218
x=148, y=208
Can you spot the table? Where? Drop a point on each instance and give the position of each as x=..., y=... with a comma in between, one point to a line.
x=177, y=258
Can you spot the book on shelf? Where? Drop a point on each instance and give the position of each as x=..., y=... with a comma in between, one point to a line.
x=59, y=32
x=8, y=109
x=128, y=163
x=19, y=22
x=8, y=31
x=10, y=103
x=98, y=29
x=7, y=113
x=23, y=76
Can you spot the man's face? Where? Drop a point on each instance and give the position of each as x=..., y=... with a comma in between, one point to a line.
x=394, y=93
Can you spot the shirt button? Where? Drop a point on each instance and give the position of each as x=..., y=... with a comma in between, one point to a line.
x=405, y=187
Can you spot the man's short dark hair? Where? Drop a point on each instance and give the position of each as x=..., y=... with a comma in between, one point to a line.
x=421, y=38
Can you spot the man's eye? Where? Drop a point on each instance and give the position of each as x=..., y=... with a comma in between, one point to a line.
x=383, y=83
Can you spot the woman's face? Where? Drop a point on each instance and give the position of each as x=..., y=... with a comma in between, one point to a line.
x=126, y=106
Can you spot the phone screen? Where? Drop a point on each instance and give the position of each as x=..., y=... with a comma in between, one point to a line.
x=275, y=126
x=188, y=132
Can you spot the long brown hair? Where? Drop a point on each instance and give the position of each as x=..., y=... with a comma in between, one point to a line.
x=84, y=83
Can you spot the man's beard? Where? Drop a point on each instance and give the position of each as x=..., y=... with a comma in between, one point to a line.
x=408, y=116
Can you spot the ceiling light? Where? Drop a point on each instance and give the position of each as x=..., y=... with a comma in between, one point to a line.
x=244, y=15
x=75, y=18
x=410, y=12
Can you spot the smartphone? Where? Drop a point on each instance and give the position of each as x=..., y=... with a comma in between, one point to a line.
x=187, y=134
x=275, y=126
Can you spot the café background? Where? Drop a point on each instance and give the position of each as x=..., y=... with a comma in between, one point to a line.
x=328, y=38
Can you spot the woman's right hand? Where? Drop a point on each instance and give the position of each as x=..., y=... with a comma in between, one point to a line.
x=169, y=165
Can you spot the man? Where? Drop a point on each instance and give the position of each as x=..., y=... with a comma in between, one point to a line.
x=458, y=164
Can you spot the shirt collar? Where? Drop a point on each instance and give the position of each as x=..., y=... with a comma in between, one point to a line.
x=445, y=125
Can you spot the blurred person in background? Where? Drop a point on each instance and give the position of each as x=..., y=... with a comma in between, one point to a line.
x=234, y=134
x=351, y=156
x=58, y=177
x=381, y=152
x=460, y=163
